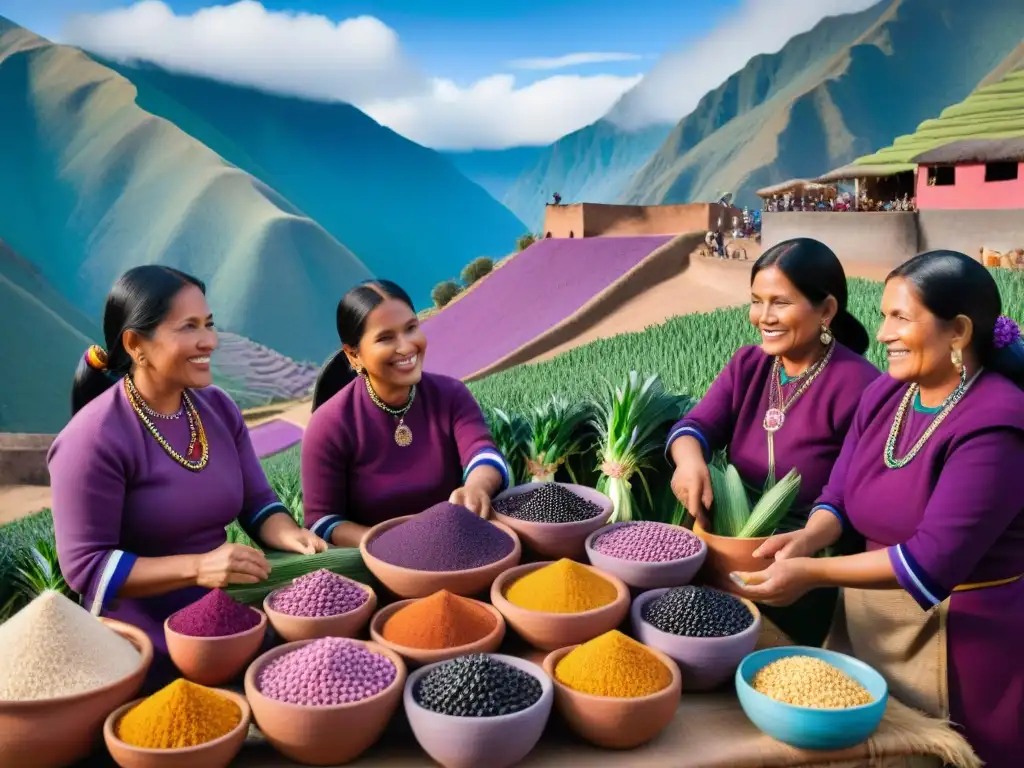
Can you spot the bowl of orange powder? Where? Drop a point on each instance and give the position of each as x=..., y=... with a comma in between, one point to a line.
x=439, y=627
x=182, y=724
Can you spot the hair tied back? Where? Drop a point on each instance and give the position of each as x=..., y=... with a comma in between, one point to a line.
x=96, y=358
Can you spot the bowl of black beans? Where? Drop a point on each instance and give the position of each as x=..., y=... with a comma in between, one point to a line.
x=552, y=519
x=481, y=709
x=707, y=632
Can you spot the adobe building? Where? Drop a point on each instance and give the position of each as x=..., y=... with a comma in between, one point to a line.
x=973, y=174
x=601, y=220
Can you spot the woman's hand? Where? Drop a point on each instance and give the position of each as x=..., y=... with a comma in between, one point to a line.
x=231, y=564
x=473, y=498
x=780, y=584
x=786, y=546
x=691, y=483
x=300, y=540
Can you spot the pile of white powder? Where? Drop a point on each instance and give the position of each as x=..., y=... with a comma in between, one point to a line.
x=54, y=647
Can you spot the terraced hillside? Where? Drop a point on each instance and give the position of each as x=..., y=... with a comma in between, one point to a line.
x=255, y=375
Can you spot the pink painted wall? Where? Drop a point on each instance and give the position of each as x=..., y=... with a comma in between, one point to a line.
x=971, y=191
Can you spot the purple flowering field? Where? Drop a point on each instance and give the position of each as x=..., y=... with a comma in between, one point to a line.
x=534, y=291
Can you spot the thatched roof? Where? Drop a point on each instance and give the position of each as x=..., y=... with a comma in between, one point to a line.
x=974, y=151
x=853, y=171
x=794, y=185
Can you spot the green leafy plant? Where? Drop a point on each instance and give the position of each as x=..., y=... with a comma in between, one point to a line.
x=525, y=241
x=558, y=430
x=476, y=269
x=444, y=292
x=731, y=509
x=511, y=433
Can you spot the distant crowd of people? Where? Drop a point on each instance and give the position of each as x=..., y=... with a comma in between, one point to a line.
x=788, y=203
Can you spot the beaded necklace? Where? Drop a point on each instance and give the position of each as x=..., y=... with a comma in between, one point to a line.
x=197, y=434
x=403, y=435
x=897, y=423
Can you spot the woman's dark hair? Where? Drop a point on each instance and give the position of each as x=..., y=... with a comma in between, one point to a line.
x=353, y=309
x=950, y=283
x=817, y=273
x=139, y=301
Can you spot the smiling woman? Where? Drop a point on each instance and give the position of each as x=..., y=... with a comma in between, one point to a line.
x=155, y=463
x=785, y=404
x=387, y=439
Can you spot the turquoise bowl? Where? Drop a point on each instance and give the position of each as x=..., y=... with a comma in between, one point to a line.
x=807, y=727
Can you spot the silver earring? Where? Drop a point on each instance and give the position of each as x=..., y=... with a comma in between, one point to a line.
x=826, y=336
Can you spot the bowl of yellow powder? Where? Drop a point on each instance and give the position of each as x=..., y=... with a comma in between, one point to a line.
x=555, y=604
x=62, y=671
x=613, y=691
x=183, y=724
x=811, y=698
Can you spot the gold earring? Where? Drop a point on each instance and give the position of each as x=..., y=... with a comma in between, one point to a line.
x=958, y=359
x=826, y=337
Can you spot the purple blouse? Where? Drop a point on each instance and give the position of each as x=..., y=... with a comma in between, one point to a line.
x=118, y=496
x=953, y=515
x=353, y=470
x=731, y=415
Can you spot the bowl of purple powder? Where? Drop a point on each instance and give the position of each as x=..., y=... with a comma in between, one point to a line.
x=444, y=547
x=213, y=639
x=553, y=519
x=646, y=554
x=325, y=701
x=320, y=604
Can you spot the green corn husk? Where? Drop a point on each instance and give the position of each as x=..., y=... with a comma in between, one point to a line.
x=286, y=566
x=772, y=507
x=730, y=509
x=511, y=433
x=557, y=431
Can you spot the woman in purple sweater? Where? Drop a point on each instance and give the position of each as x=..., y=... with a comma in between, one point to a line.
x=784, y=404
x=387, y=439
x=155, y=462
x=929, y=475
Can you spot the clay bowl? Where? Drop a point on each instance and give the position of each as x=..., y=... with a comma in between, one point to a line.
x=416, y=657
x=52, y=733
x=214, y=660
x=548, y=631
x=323, y=735
x=616, y=723
x=705, y=662
x=727, y=554
x=671, y=573
x=350, y=624
x=468, y=742
x=406, y=582
x=554, y=541
x=213, y=754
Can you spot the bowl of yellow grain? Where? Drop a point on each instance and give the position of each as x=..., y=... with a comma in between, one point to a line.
x=553, y=604
x=183, y=725
x=613, y=691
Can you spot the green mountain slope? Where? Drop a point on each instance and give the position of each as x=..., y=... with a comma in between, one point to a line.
x=912, y=59
x=90, y=185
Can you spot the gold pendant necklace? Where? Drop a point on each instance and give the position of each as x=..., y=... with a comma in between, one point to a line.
x=403, y=435
x=197, y=433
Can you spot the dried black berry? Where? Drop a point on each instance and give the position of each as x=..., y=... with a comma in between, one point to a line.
x=697, y=612
x=477, y=686
x=550, y=503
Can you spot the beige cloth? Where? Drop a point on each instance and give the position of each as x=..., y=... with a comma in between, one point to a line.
x=710, y=730
x=888, y=630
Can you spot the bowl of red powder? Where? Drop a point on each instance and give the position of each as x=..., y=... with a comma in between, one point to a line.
x=437, y=628
x=320, y=604
x=325, y=701
x=212, y=640
x=445, y=547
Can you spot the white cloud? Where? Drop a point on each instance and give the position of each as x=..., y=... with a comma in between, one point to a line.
x=573, y=60
x=358, y=60
x=677, y=82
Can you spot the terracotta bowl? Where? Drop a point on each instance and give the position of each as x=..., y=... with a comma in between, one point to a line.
x=672, y=573
x=214, y=660
x=554, y=541
x=323, y=735
x=292, y=628
x=53, y=733
x=416, y=657
x=406, y=582
x=727, y=554
x=705, y=662
x=468, y=742
x=213, y=754
x=548, y=631
x=616, y=723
